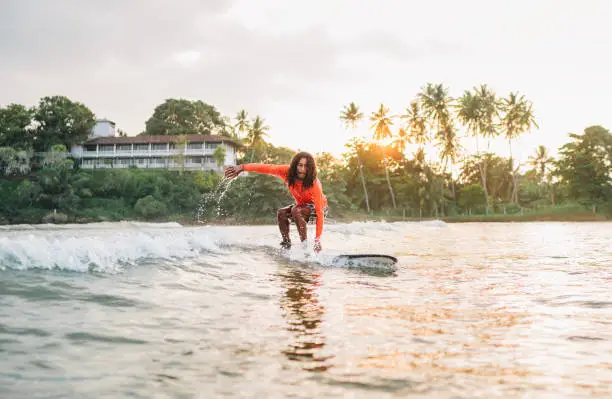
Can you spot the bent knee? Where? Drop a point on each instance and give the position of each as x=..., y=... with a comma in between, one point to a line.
x=282, y=213
x=295, y=211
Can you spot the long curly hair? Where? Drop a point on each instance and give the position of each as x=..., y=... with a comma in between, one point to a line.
x=311, y=170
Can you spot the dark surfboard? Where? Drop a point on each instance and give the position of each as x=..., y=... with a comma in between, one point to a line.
x=365, y=260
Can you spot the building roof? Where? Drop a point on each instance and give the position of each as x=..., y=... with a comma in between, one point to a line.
x=105, y=120
x=191, y=138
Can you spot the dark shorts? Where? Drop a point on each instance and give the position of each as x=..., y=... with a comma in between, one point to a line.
x=313, y=213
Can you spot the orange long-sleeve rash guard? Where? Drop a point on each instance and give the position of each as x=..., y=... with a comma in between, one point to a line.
x=302, y=196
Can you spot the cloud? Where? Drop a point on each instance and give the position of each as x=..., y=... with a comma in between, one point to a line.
x=187, y=58
x=123, y=58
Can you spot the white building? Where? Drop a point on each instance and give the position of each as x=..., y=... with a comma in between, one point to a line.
x=195, y=152
x=103, y=128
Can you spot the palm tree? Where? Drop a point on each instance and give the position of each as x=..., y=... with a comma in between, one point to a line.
x=518, y=118
x=350, y=116
x=242, y=123
x=255, y=136
x=401, y=140
x=382, y=122
x=450, y=148
x=540, y=162
x=435, y=103
x=416, y=125
x=257, y=131
x=488, y=113
x=478, y=111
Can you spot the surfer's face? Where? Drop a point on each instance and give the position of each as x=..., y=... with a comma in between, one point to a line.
x=302, y=167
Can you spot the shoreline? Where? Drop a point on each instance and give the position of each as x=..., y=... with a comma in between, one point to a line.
x=554, y=217
x=449, y=219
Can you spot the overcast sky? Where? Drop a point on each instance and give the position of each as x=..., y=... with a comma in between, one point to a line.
x=298, y=63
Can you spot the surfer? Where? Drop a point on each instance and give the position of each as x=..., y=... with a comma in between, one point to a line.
x=301, y=179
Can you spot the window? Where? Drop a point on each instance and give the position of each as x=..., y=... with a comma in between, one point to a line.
x=124, y=147
x=212, y=146
x=141, y=147
x=107, y=148
x=159, y=146
x=194, y=146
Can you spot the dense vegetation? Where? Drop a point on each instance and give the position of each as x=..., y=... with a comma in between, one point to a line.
x=374, y=177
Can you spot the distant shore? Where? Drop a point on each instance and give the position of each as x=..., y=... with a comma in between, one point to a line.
x=543, y=216
x=570, y=217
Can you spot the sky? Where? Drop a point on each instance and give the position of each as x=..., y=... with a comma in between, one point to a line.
x=297, y=64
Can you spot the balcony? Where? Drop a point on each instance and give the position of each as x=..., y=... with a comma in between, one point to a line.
x=173, y=166
x=146, y=153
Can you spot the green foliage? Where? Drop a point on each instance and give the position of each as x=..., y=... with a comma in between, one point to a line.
x=498, y=174
x=15, y=120
x=14, y=161
x=61, y=121
x=471, y=196
x=28, y=193
x=181, y=116
x=148, y=207
x=585, y=166
x=219, y=155
x=377, y=176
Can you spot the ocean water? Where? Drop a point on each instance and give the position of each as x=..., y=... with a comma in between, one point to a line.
x=116, y=310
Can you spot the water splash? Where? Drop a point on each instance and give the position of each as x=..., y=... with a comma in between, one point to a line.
x=214, y=199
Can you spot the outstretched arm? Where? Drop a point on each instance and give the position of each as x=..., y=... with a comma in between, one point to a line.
x=279, y=171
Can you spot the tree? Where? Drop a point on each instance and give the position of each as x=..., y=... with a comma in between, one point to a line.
x=540, y=162
x=180, y=145
x=14, y=161
x=219, y=155
x=255, y=137
x=57, y=154
x=181, y=116
x=478, y=111
x=585, y=164
x=59, y=120
x=498, y=177
x=416, y=125
x=350, y=116
x=435, y=102
x=381, y=125
x=15, y=132
x=449, y=152
x=518, y=119
x=471, y=196
x=242, y=125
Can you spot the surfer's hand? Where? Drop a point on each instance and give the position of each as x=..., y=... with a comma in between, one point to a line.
x=233, y=171
x=317, y=246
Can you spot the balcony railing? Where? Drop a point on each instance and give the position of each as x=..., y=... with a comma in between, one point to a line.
x=146, y=153
x=188, y=166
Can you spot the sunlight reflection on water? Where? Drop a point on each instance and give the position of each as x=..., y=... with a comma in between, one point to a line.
x=473, y=310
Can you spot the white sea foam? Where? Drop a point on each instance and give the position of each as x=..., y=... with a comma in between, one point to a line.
x=103, y=248
x=110, y=247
